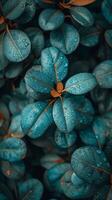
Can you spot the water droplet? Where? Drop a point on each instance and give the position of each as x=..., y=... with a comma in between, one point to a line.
x=98, y=151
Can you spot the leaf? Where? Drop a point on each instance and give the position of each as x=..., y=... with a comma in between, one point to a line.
x=13, y=70
x=80, y=83
x=13, y=170
x=66, y=38
x=4, y=115
x=51, y=19
x=82, y=15
x=16, y=45
x=65, y=140
x=29, y=12
x=17, y=103
x=37, y=40
x=13, y=9
x=103, y=193
x=95, y=134
x=90, y=164
x=15, y=127
x=38, y=81
x=107, y=10
x=36, y=118
x=54, y=63
x=64, y=114
x=89, y=37
x=12, y=149
x=108, y=37
x=56, y=172
x=84, y=112
x=3, y=59
x=5, y=193
x=50, y=160
x=103, y=74
x=31, y=189
x=81, y=2
x=76, y=188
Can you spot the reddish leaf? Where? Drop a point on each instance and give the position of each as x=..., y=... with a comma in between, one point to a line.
x=81, y=2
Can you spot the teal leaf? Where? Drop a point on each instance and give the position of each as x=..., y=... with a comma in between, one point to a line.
x=84, y=112
x=50, y=160
x=36, y=118
x=12, y=149
x=37, y=40
x=82, y=15
x=107, y=10
x=31, y=189
x=38, y=81
x=56, y=172
x=103, y=193
x=65, y=140
x=15, y=126
x=90, y=164
x=66, y=38
x=103, y=74
x=13, y=9
x=75, y=187
x=89, y=37
x=51, y=19
x=5, y=193
x=54, y=63
x=13, y=170
x=96, y=134
x=5, y=115
x=80, y=83
x=64, y=114
x=16, y=45
x=3, y=59
x=108, y=37
x=13, y=70
x=29, y=12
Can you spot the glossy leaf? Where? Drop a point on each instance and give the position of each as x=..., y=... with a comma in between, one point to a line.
x=66, y=38
x=37, y=40
x=65, y=140
x=103, y=193
x=91, y=164
x=82, y=2
x=89, y=37
x=64, y=114
x=29, y=12
x=38, y=81
x=82, y=15
x=14, y=8
x=3, y=59
x=106, y=10
x=13, y=170
x=96, y=134
x=51, y=19
x=12, y=149
x=36, y=118
x=74, y=187
x=56, y=172
x=16, y=45
x=50, y=160
x=54, y=63
x=103, y=74
x=84, y=112
x=15, y=127
x=31, y=189
x=13, y=70
x=4, y=115
x=80, y=83
x=108, y=37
